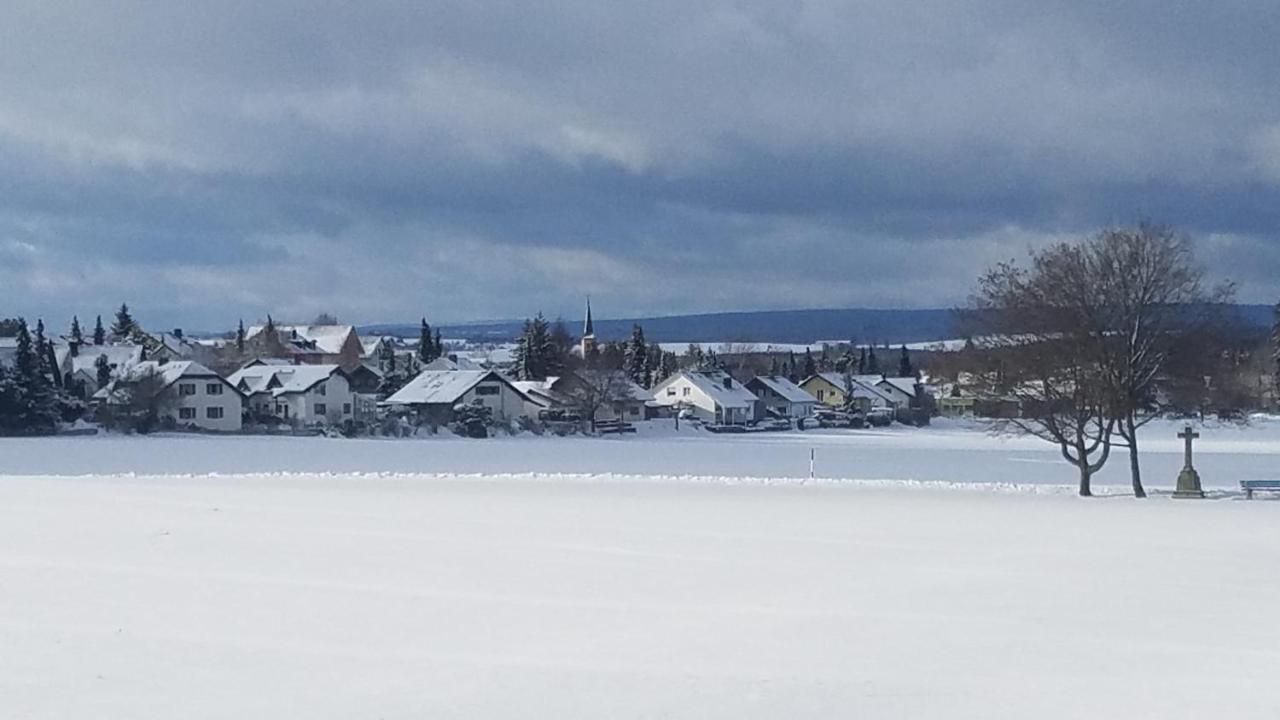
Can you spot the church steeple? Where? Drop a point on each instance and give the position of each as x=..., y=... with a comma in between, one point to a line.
x=588, y=345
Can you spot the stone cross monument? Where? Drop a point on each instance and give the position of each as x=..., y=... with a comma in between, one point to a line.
x=1188, y=479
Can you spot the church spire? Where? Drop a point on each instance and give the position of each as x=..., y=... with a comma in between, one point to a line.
x=589, y=329
x=588, y=345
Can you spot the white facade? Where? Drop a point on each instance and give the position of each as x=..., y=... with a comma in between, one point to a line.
x=712, y=396
x=301, y=395
x=195, y=396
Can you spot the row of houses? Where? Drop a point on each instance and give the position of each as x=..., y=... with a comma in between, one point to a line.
x=715, y=397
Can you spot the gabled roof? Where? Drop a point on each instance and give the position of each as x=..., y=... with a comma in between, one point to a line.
x=861, y=386
x=904, y=384
x=327, y=339
x=712, y=383
x=457, y=362
x=121, y=356
x=440, y=387
x=282, y=379
x=783, y=386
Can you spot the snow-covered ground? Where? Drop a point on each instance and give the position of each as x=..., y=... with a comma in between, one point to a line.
x=946, y=453
x=679, y=576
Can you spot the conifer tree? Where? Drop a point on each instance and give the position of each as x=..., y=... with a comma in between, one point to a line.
x=862, y=361
x=636, y=356
x=99, y=335
x=76, y=335
x=426, y=344
x=904, y=364
x=124, y=326
x=439, y=344
x=810, y=367
x=35, y=409
x=240, y=337
x=102, y=367
x=873, y=365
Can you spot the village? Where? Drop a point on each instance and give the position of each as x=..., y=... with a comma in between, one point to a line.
x=324, y=378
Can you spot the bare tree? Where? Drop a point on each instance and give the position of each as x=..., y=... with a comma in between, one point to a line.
x=593, y=389
x=1153, y=296
x=138, y=403
x=1045, y=324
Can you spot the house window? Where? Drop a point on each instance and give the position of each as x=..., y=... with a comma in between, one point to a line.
x=821, y=393
x=346, y=408
x=213, y=389
x=686, y=392
x=487, y=390
x=321, y=409
x=213, y=413
x=671, y=392
x=320, y=389
x=187, y=389
x=186, y=413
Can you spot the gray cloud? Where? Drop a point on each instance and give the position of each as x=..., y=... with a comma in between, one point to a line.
x=385, y=159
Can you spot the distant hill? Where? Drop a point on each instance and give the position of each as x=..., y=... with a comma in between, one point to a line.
x=778, y=326
x=781, y=326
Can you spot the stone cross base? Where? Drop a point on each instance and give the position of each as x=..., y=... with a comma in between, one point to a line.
x=1188, y=484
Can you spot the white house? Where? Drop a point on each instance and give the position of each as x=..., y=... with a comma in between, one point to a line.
x=903, y=390
x=780, y=397
x=558, y=393
x=301, y=395
x=433, y=395
x=196, y=396
x=711, y=395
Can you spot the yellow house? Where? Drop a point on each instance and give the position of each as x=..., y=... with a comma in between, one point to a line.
x=829, y=389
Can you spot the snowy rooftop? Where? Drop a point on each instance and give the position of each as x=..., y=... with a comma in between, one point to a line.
x=281, y=379
x=712, y=382
x=121, y=356
x=327, y=338
x=436, y=387
x=784, y=387
x=170, y=372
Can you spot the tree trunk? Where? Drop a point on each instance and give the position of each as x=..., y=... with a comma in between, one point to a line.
x=1086, y=472
x=1135, y=471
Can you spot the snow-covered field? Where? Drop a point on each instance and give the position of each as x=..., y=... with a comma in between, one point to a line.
x=668, y=575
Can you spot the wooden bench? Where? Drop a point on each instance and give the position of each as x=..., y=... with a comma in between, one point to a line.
x=1249, y=486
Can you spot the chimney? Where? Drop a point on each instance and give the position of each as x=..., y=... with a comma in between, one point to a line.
x=177, y=332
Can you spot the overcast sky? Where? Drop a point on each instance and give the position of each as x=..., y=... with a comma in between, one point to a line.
x=208, y=161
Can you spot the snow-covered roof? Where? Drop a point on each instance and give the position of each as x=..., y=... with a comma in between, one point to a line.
x=281, y=379
x=120, y=356
x=327, y=338
x=540, y=392
x=863, y=385
x=904, y=384
x=437, y=387
x=783, y=386
x=171, y=372
x=457, y=362
x=712, y=382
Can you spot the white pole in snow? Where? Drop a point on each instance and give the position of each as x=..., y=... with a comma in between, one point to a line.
x=810, y=463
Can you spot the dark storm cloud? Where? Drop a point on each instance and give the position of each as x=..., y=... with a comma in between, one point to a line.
x=468, y=159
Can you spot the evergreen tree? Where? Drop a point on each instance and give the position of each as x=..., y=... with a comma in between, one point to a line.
x=536, y=354
x=76, y=335
x=124, y=326
x=668, y=365
x=99, y=335
x=1275, y=347
x=103, y=368
x=862, y=361
x=240, y=337
x=773, y=365
x=904, y=364
x=873, y=365
x=35, y=405
x=426, y=344
x=810, y=367
x=439, y=344
x=636, y=356
x=694, y=356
